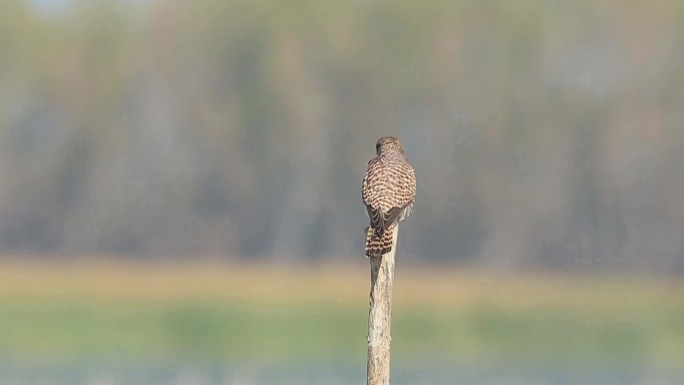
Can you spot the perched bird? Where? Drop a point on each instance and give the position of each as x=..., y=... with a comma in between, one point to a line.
x=389, y=191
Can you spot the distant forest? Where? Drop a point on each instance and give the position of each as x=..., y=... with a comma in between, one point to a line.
x=543, y=133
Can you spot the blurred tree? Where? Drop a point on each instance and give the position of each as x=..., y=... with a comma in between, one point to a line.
x=543, y=133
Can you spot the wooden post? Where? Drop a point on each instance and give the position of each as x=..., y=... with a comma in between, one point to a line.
x=380, y=316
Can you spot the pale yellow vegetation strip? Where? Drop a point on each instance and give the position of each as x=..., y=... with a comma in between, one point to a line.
x=289, y=285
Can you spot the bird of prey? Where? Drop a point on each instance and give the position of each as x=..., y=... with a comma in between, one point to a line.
x=389, y=191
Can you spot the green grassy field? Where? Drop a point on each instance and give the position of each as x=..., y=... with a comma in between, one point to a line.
x=264, y=313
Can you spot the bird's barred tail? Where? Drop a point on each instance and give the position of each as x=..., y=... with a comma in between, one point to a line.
x=376, y=245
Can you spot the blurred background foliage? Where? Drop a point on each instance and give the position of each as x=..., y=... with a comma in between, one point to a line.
x=172, y=136
x=544, y=133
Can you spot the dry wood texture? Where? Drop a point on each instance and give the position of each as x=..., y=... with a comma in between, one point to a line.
x=380, y=316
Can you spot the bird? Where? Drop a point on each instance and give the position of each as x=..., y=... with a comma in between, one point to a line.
x=389, y=192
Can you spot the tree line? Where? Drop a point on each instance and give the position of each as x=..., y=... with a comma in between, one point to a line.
x=543, y=133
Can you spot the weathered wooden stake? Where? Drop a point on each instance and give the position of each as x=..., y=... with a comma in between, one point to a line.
x=380, y=316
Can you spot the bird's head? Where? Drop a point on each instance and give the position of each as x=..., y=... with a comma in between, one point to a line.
x=388, y=144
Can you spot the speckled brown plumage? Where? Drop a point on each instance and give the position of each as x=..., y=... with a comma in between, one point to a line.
x=389, y=190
